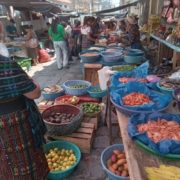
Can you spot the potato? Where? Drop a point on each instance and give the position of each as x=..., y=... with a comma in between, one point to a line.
x=109, y=163
x=115, y=166
x=117, y=152
x=113, y=158
x=121, y=162
x=120, y=168
x=121, y=156
x=118, y=173
x=124, y=173
x=111, y=169
x=125, y=166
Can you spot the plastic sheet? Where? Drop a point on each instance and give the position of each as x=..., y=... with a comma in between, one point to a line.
x=139, y=72
x=163, y=147
x=159, y=100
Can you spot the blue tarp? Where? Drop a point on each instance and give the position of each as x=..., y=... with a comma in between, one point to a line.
x=163, y=147
x=139, y=72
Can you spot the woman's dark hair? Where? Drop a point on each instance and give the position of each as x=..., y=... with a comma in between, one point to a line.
x=54, y=24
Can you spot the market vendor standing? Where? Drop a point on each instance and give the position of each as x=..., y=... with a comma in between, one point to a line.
x=57, y=33
x=133, y=32
x=11, y=29
x=87, y=34
x=32, y=45
x=21, y=126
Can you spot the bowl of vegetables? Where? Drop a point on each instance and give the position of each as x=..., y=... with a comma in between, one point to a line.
x=91, y=109
x=76, y=87
x=97, y=92
x=67, y=99
x=123, y=68
x=52, y=92
x=62, y=157
x=114, y=163
x=62, y=119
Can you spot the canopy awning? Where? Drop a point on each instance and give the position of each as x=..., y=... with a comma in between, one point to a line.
x=33, y=5
x=134, y=3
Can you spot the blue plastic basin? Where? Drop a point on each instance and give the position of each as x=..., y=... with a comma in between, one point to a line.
x=105, y=155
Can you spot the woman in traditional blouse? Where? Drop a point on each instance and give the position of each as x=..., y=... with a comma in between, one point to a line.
x=21, y=125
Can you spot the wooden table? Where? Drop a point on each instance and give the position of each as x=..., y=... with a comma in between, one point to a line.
x=176, y=50
x=137, y=158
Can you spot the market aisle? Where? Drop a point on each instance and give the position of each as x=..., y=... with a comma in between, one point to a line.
x=90, y=168
x=47, y=74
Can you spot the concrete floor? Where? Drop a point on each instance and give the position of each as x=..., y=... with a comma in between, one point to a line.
x=90, y=166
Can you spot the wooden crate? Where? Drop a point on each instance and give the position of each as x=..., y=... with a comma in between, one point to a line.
x=83, y=137
x=93, y=120
x=91, y=73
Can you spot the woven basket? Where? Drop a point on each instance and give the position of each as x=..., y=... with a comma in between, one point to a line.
x=63, y=129
x=76, y=92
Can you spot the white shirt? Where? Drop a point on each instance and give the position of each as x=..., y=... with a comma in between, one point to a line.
x=85, y=30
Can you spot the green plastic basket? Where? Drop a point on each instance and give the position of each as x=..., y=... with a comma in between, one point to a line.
x=167, y=156
x=60, y=175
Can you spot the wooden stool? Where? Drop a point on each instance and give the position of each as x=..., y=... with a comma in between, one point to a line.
x=91, y=73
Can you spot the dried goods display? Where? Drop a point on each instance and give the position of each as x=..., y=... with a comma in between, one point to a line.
x=136, y=99
x=161, y=130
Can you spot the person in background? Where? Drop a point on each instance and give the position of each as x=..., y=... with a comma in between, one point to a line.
x=22, y=128
x=69, y=39
x=133, y=32
x=57, y=34
x=11, y=29
x=86, y=31
x=32, y=45
x=76, y=34
x=48, y=44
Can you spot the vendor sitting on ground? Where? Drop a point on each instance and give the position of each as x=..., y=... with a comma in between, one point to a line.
x=133, y=32
x=11, y=29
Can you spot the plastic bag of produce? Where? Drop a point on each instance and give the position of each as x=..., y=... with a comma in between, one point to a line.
x=169, y=145
x=139, y=75
x=157, y=101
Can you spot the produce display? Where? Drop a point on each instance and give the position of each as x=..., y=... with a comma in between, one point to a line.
x=91, y=108
x=136, y=99
x=90, y=54
x=161, y=130
x=126, y=80
x=68, y=100
x=60, y=118
x=123, y=68
x=60, y=159
x=169, y=83
x=52, y=89
x=78, y=86
x=163, y=173
x=117, y=164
